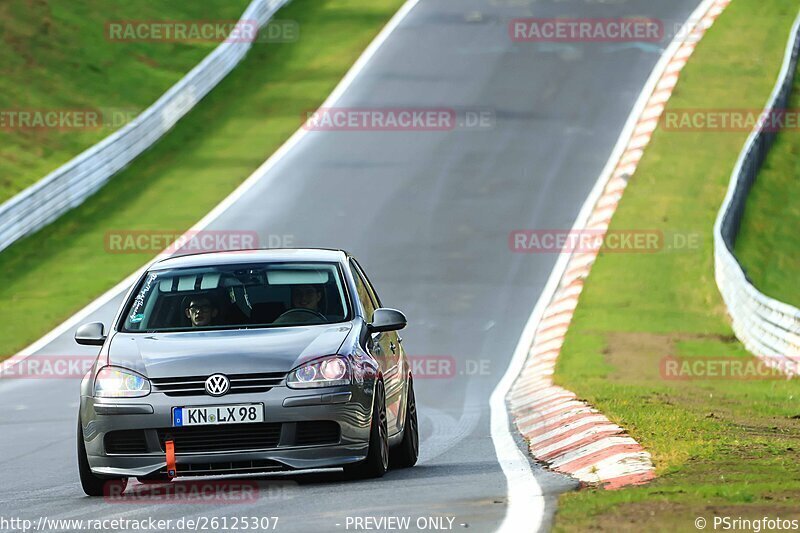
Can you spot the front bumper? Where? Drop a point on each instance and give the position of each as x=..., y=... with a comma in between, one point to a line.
x=349, y=407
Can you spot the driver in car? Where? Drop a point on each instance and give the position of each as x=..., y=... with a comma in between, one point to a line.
x=306, y=297
x=200, y=311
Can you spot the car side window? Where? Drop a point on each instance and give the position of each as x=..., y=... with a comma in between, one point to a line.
x=375, y=299
x=363, y=292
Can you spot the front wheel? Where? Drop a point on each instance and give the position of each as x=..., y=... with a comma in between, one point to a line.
x=93, y=485
x=377, y=461
x=406, y=453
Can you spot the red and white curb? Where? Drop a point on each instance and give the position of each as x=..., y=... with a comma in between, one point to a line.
x=562, y=431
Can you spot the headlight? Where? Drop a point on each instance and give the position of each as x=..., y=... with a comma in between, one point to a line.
x=326, y=372
x=118, y=383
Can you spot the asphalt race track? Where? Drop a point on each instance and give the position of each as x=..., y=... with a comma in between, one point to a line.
x=428, y=214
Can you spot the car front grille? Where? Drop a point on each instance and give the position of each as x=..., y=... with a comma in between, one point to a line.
x=196, y=385
x=227, y=468
x=233, y=437
x=224, y=438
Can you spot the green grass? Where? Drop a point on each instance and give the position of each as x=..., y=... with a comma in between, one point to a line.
x=56, y=56
x=769, y=242
x=52, y=274
x=724, y=446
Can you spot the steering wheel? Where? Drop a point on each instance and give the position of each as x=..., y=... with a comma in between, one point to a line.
x=300, y=311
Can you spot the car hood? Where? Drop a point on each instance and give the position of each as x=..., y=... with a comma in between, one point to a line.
x=199, y=353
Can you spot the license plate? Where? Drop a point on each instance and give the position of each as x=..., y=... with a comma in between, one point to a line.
x=217, y=415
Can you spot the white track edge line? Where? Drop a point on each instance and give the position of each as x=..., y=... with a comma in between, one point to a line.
x=524, y=492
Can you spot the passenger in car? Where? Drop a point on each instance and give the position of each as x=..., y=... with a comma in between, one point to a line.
x=201, y=312
x=306, y=297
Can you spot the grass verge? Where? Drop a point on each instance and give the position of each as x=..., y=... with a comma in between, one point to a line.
x=722, y=447
x=52, y=274
x=769, y=244
x=56, y=56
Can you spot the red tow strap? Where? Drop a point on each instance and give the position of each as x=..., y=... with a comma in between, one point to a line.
x=172, y=471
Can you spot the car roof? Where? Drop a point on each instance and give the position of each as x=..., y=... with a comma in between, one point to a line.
x=253, y=256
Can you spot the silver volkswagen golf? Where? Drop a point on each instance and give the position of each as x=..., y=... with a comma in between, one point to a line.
x=241, y=362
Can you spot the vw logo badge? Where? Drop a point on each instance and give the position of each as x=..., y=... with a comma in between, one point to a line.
x=217, y=385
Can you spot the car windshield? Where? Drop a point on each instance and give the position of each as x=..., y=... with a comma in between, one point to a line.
x=237, y=296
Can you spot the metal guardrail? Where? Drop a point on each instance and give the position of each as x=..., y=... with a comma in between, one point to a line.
x=768, y=328
x=72, y=183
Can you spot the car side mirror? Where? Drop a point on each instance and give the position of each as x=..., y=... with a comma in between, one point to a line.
x=385, y=319
x=91, y=334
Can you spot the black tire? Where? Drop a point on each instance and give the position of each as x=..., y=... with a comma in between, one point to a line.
x=377, y=461
x=405, y=454
x=94, y=485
